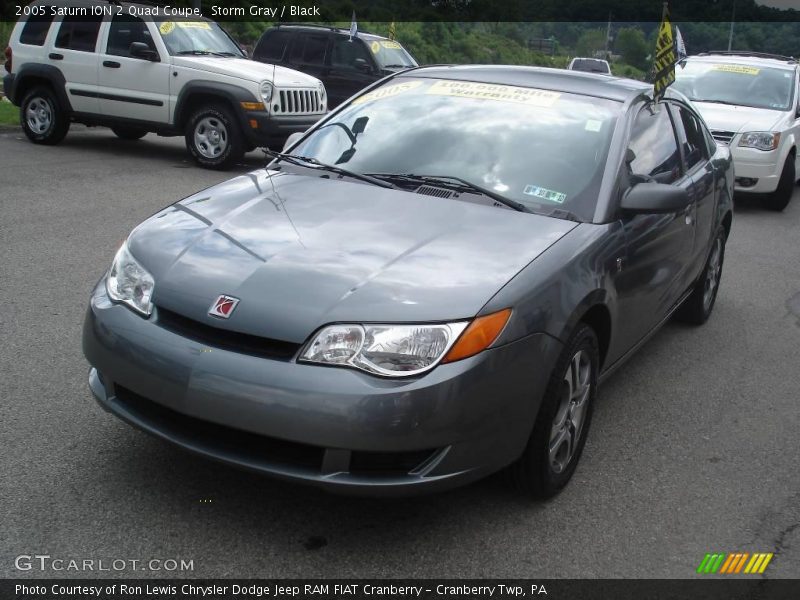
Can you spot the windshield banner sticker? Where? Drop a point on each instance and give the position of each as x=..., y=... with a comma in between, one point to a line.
x=741, y=69
x=545, y=194
x=387, y=92
x=490, y=91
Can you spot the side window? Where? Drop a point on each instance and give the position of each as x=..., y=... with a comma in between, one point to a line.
x=35, y=30
x=654, y=147
x=125, y=30
x=273, y=46
x=309, y=49
x=695, y=148
x=78, y=33
x=346, y=53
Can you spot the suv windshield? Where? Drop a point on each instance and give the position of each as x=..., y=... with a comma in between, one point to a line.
x=389, y=53
x=542, y=150
x=736, y=83
x=196, y=37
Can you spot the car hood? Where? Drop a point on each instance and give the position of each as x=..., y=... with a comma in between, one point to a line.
x=738, y=119
x=247, y=69
x=301, y=251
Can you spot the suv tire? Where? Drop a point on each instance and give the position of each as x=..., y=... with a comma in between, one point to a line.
x=779, y=199
x=42, y=118
x=561, y=427
x=129, y=133
x=213, y=138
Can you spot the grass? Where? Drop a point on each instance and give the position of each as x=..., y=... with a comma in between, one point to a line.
x=9, y=114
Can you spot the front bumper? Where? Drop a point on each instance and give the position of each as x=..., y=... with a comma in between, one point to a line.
x=765, y=167
x=263, y=129
x=337, y=428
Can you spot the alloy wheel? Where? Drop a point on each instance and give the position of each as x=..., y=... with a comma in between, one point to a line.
x=565, y=432
x=39, y=115
x=712, y=274
x=211, y=137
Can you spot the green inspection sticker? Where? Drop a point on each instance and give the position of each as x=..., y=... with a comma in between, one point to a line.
x=545, y=194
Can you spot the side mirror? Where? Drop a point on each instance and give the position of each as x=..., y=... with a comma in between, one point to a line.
x=292, y=140
x=360, y=64
x=142, y=50
x=655, y=198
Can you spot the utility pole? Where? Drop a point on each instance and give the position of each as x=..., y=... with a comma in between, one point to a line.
x=608, y=35
x=733, y=18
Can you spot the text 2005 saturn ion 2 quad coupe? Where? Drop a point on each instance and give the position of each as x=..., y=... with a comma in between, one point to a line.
x=425, y=288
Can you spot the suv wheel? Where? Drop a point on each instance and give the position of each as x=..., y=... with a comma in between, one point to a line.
x=213, y=138
x=779, y=199
x=43, y=120
x=129, y=133
x=559, y=434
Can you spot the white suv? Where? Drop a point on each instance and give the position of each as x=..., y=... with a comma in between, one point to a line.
x=750, y=102
x=139, y=68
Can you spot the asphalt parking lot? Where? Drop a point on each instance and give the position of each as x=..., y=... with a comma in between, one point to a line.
x=694, y=448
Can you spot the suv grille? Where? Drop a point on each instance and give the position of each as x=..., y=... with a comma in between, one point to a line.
x=299, y=102
x=724, y=137
x=225, y=339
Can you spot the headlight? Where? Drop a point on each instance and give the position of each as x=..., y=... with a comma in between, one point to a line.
x=129, y=282
x=761, y=140
x=402, y=350
x=322, y=91
x=266, y=91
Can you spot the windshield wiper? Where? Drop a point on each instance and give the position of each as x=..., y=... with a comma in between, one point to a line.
x=453, y=182
x=305, y=161
x=396, y=66
x=193, y=52
x=713, y=101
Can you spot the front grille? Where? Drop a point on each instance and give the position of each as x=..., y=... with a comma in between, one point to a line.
x=299, y=102
x=220, y=439
x=224, y=339
x=724, y=137
x=231, y=443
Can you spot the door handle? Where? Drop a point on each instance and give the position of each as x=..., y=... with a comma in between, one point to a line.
x=111, y=64
x=54, y=56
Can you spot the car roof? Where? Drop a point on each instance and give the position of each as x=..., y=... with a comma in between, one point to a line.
x=562, y=80
x=746, y=58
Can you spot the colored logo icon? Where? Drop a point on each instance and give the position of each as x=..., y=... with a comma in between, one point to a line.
x=734, y=563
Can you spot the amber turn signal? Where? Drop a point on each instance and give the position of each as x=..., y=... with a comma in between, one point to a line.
x=478, y=336
x=253, y=105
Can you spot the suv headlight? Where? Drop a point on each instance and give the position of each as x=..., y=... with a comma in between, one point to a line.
x=402, y=350
x=266, y=91
x=130, y=283
x=322, y=91
x=761, y=140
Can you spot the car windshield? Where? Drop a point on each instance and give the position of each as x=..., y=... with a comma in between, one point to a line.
x=196, y=37
x=389, y=53
x=540, y=149
x=736, y=83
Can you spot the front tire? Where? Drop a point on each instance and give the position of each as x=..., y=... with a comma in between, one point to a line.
x=214, y=139
x=696, y=309
x=560, y=431
x=779, y=199
x=129, y=133
x=42, y=118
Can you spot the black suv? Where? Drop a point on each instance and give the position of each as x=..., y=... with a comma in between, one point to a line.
x=343, y=64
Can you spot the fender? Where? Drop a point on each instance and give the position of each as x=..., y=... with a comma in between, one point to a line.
x=592, y=299
x=234, y=94
x=49, y=73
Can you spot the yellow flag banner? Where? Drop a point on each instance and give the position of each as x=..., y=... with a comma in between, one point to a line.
x=666, y=58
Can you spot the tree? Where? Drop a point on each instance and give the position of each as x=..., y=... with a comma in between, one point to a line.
x=590, y=42
x=630, y=43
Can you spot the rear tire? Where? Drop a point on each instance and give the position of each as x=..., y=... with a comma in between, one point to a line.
x=214, y=139
x=129, y=133
x=560, y=431
x=779, y=199
x=42, y=118
x=696, y=309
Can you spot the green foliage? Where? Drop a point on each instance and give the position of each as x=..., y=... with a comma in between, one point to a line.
x=591, y=42
x=9, y=114
x=630, y=43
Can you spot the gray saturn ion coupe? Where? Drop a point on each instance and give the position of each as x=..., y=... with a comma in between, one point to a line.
x=425, y=288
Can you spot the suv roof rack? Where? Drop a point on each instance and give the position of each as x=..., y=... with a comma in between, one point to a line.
x=319, y=26
x=749, y=53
